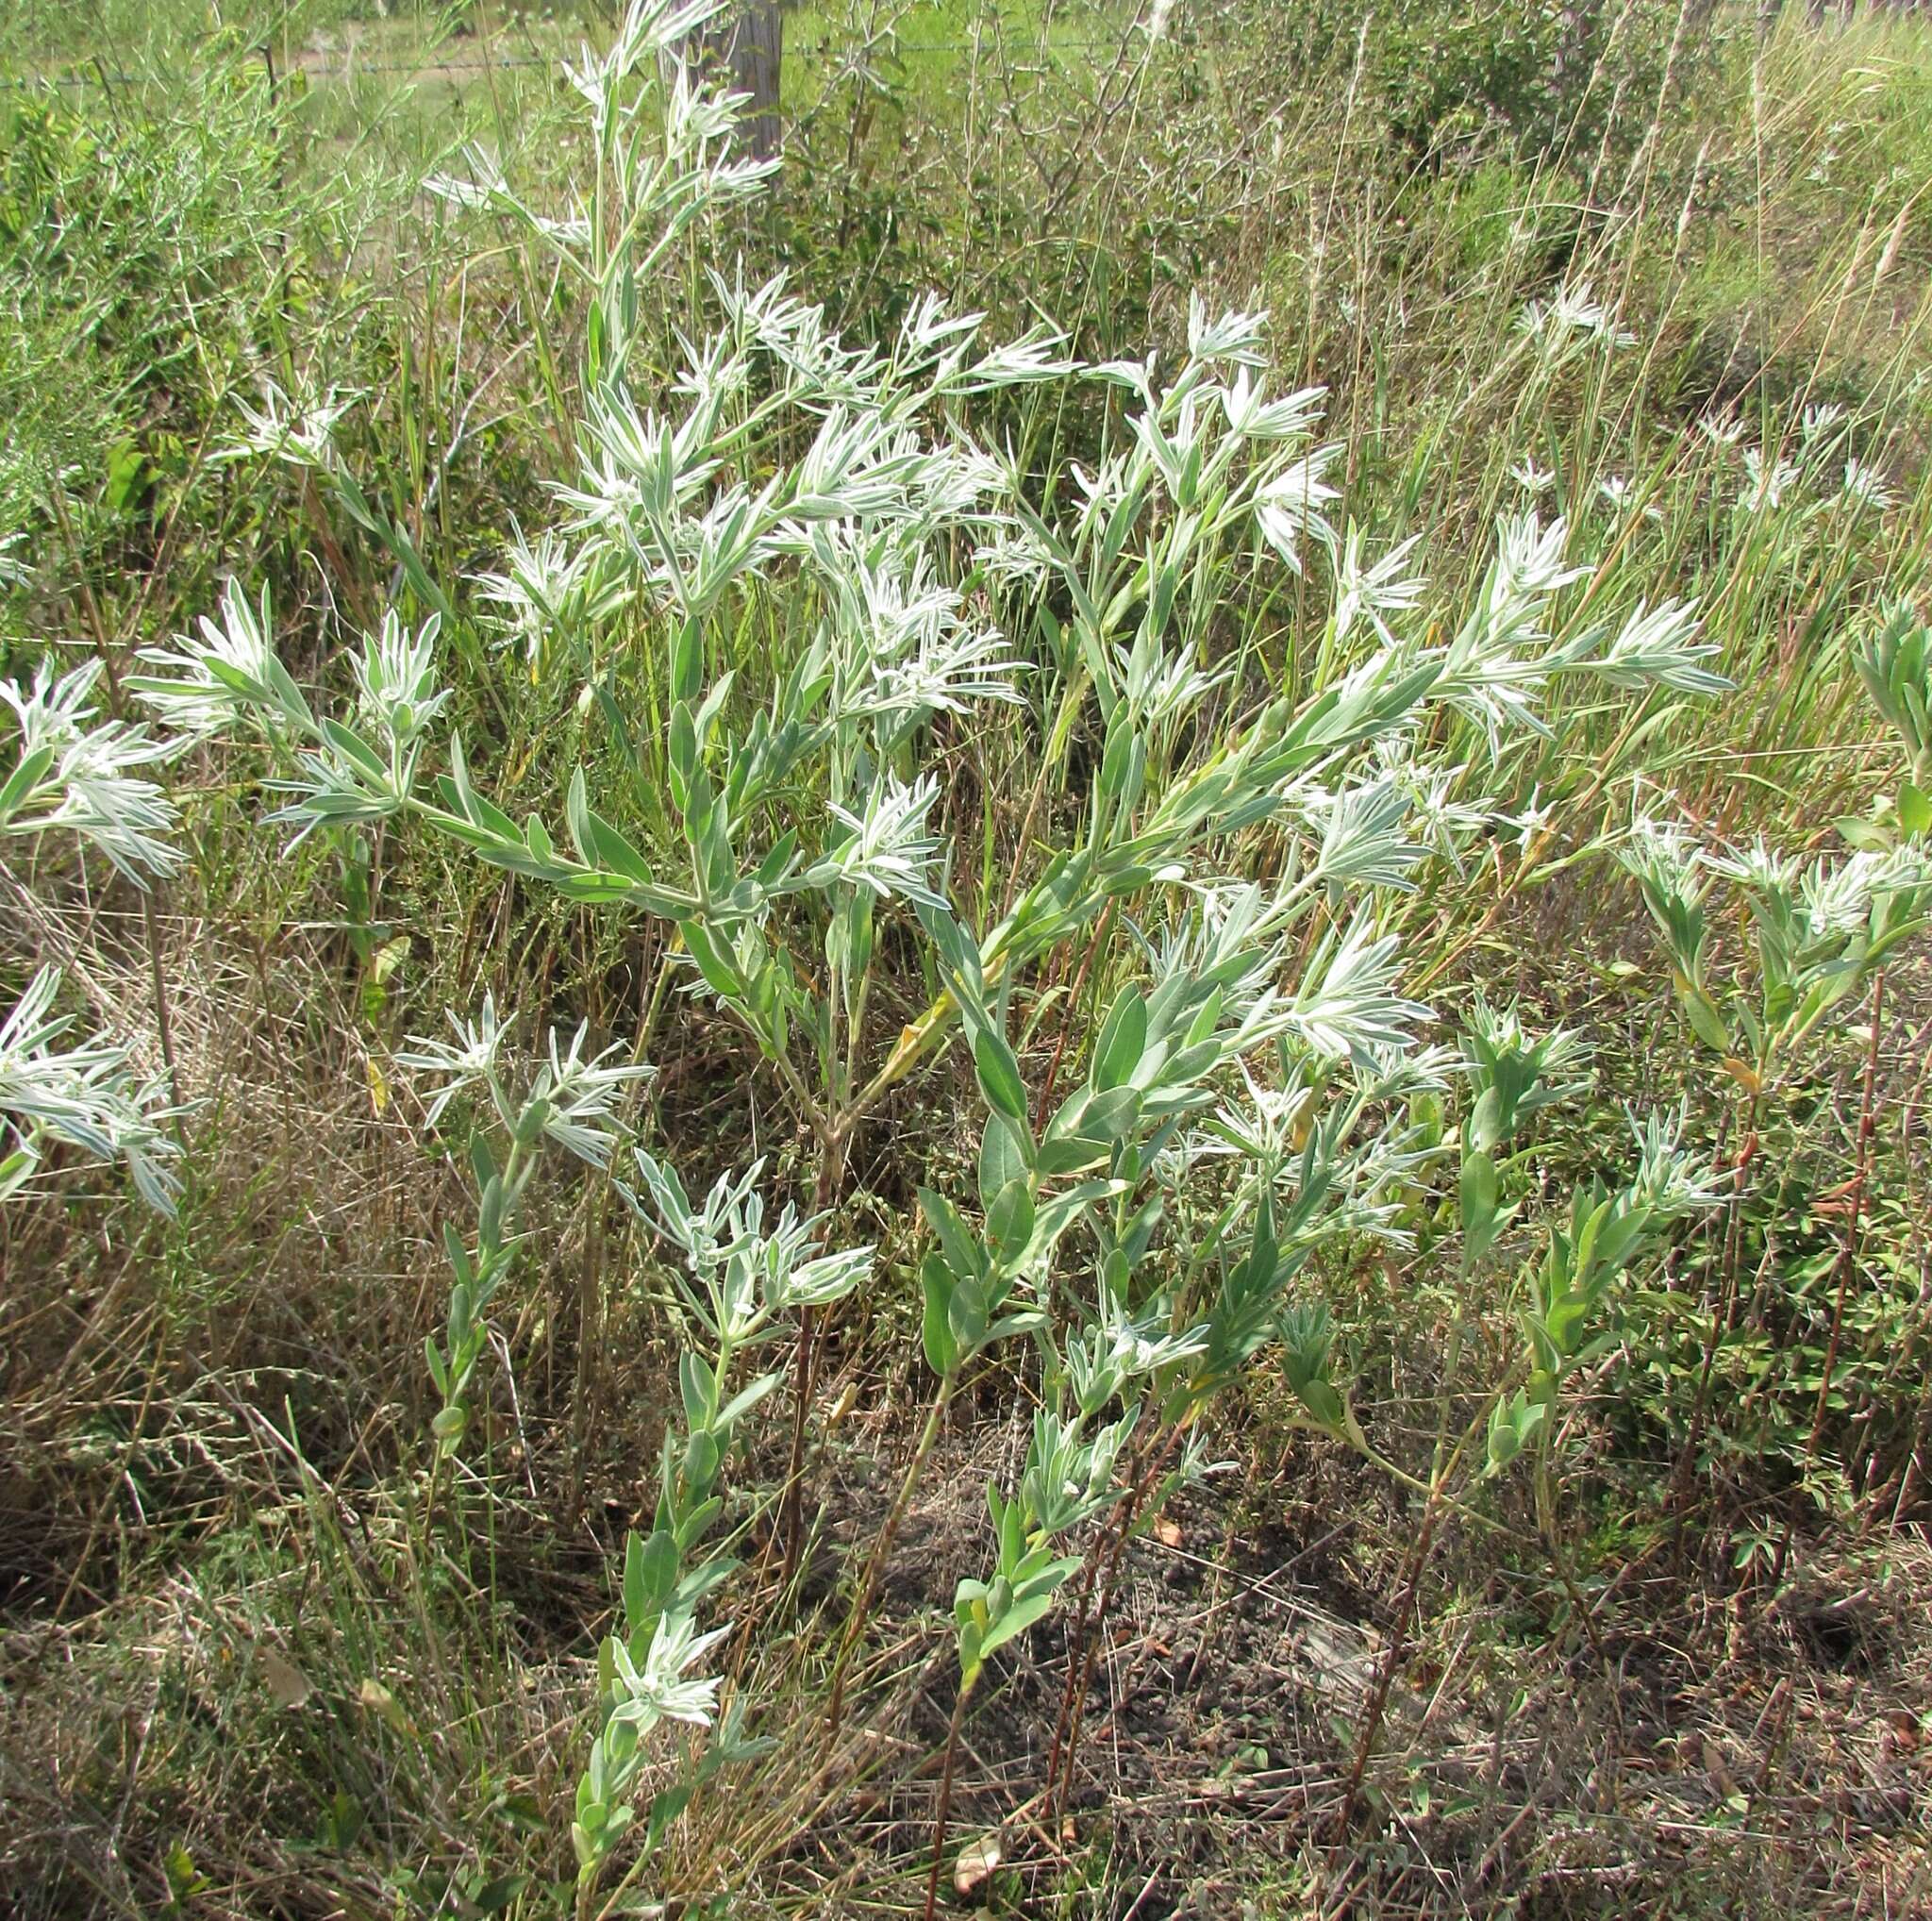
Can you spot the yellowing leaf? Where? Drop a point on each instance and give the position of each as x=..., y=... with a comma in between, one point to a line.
x=378, y=1700
x=286, y=1681
x=975, y=1864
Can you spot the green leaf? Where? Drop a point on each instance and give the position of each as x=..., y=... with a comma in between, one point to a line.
x=1323, y=1403
x=650, y=1577
x=356, y=751
x=25, y=779
x=1018, y=1617
x=697, y=1386
x=743, y=1403
x=1478, y=1200
x=936, y=1331
x=1009, y=1221
x=1863, y=836
x=1002, y=1159
x=1915, y=811
x=688, y=662
x=962, y=1254
x=999, y=1076
x=1122, y=1041
x=701, y=1461
x=1073, y=1155
x=713, y=961
x=683, y=752
x=1705, y=1021
x=1486, y=1121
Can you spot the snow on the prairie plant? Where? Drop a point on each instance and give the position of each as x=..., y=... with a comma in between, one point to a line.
x=1767, y=482
x=580, y=1092
x=1159, y=687
x=1835, y=899
x=1347, y=1001
x=919, y=655
x=747, y=1271
x=1361, y=838
x=299, y=430
x=1489, y=671
x=1573, y=313
x=548, y=592
x=1441, y=814
x=214, y=678
x=1033, y=358
x=480, y=184
x=396, y=681
x=1822, y=422
x=1531, y=557
x=1662, y=646
x=767, y=479
x=470, y=1062
x=1667, y=855
x=1669, y=1179
x=1250, y=413
x=1240, y=338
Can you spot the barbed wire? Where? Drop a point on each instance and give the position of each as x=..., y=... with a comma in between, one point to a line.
x=336, y=65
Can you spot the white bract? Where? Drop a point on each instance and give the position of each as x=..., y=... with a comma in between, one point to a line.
x=87, y=1094
x=1288, y=507
x=1866, y=485
x=660, y=1690
x=1573, y=315
x=887, y=848
x=300, y=431
x=1767, y=482
x=746, y=1272
x=1378, y=589
x=71, y=769
x=223, y=673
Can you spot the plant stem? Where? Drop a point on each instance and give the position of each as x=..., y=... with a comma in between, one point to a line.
x=1432, y=1509
x=939, y=1825
x=1719, y=1310
x=1546, y=1527
x=1067, y=1016
x=1847, y=1260
x=589, y=1329
x=861, y=1605
x=791, y=1517
x=1385, y=1680
x=1081, y=1661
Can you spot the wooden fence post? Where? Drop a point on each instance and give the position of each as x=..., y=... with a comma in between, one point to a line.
x=746, y=48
